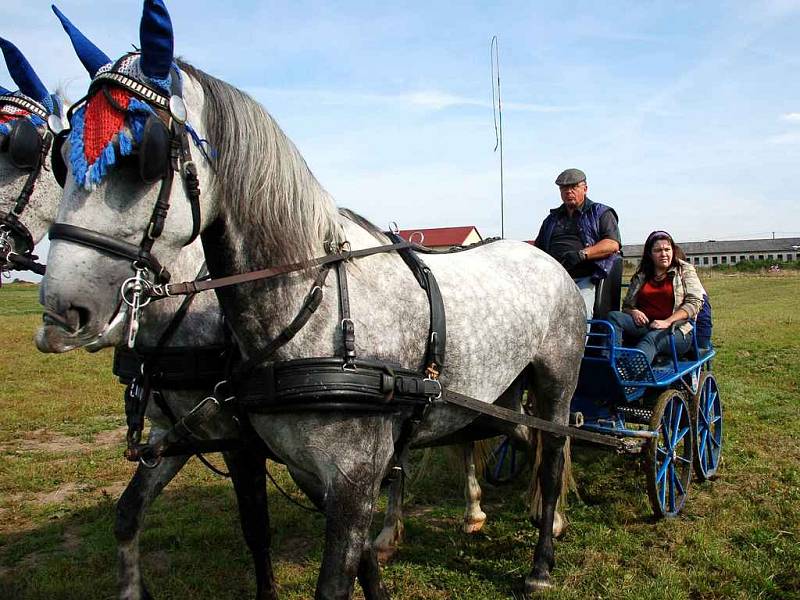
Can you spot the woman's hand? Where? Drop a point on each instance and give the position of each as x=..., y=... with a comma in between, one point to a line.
x=639, y=317
x=660, y=324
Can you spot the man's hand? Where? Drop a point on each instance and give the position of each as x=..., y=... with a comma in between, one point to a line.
x=659, y=324
x=572, y=258
x=639, y=317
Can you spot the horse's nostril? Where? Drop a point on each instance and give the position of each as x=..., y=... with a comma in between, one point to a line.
x=81, y=318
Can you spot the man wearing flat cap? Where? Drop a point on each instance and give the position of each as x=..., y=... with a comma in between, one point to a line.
x=580, y=234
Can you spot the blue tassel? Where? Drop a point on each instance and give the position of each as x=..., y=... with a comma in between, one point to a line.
x=77, y=158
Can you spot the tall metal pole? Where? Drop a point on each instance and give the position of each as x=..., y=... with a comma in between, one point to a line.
x=494, y=58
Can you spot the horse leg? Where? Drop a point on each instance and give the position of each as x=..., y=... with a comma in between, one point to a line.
x=248, y=474
x=550, y=481
x=474, y=517
x=349, y=503
x=143, y=488
x=369, y=575
x=391, y=535
x=535, y=497
x=552, y=388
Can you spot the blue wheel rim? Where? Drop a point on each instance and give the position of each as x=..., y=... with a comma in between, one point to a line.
x=709, y=428
x=673, y=456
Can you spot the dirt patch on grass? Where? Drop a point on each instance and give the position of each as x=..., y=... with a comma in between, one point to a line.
x=44, y=440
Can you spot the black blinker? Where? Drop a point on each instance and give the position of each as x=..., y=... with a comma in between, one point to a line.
x=24, y=145
x=154, y=151
x=57, y=164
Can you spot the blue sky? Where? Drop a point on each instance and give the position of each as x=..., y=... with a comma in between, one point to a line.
x=684, y=115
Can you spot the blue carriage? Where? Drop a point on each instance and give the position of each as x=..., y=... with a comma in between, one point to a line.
x=670, y=412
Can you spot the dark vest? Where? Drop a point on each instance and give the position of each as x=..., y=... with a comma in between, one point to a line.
x=588, y=231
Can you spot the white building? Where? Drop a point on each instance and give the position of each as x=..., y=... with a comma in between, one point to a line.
x=713, y=252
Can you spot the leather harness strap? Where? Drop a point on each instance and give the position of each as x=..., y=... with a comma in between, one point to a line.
x=309, y=307
x=193, y=287
x=348, y=328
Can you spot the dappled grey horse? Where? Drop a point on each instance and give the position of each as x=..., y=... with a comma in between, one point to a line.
x=514, y=318
x=33, y=211
x=201, y=328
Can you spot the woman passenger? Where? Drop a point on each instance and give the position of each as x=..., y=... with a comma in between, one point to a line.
x=664, y=289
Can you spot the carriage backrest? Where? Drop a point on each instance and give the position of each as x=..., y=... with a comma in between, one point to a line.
x=608, y=292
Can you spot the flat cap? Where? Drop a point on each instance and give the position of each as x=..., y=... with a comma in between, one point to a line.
x=570, y=177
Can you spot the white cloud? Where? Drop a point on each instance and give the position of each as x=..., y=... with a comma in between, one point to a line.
x=792, y=137
x=793, y=117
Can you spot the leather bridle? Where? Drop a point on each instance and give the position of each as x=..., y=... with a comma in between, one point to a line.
x=165, y=144
x=11, y=228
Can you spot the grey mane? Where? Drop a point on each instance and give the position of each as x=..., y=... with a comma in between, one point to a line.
x=365, y=224
x=264, y=185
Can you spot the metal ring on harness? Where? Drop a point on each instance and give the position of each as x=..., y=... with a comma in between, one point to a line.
x=135, y=285
x=150, y=465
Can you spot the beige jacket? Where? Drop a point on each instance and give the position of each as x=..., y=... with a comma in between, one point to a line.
x=686, y=286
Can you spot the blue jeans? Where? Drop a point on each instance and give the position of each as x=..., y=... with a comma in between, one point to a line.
x=587, y=289
x=649, y=341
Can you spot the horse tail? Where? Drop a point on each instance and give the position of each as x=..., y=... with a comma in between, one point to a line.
x=567, y=480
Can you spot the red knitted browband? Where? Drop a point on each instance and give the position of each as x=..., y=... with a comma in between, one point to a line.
x=102, y=121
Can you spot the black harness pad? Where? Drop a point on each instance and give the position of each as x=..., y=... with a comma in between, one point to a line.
x=24, y=145
x=176, y=367
x=154, y=150
x=57, y=164
x=323, y=384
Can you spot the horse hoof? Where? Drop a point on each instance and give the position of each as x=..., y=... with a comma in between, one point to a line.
x=534, y=585
x=559, y=525
x=474, y=524
x=385, y=554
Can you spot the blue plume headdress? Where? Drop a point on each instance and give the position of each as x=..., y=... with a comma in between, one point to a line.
x=90, y=55
x=24, y=76
x=30, y=88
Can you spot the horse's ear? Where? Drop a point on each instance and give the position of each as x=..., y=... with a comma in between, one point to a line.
x=22, y=72
x=156, y=38
x=90, y=55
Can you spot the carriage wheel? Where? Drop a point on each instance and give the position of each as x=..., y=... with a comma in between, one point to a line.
x=669, y=456
x=505, y=463
x=707, y=438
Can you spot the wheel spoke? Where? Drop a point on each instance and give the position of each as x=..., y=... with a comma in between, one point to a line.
x=662, y=470
x=710, y=399
x=501, y=459
x=681, y=490
x=683, y=459
x=701, y=447
x=672, y=488
x=702, y=418
x=681, y=434
x=675, y=425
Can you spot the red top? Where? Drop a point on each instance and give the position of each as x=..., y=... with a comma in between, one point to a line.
x=656, y=299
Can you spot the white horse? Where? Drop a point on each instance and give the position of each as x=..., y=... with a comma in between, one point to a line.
x=514, y=317
x=201, y=327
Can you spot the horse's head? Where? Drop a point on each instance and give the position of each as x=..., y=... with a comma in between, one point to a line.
x=131, y=166
x=29, y=194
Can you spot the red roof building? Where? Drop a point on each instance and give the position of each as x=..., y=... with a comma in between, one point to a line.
x=442, y=237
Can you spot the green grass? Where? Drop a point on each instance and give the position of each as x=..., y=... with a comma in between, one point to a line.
x=738, y=537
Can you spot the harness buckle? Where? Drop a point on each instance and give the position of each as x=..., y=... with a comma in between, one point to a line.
x=437, y=385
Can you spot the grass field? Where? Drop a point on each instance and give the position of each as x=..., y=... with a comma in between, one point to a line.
x=61, y=470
